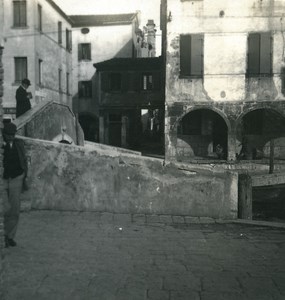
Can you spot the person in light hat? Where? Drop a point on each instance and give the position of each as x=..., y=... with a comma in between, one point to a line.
x=23, y=97
x=15, y=173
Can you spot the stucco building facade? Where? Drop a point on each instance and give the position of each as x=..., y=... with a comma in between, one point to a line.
x=224, y=78
x=97, y=38
x=38, y=43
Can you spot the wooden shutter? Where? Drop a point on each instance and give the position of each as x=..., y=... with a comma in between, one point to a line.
x=265, y=53
x=185, y=55
x=253, y=61
x=196, y=55
x=79, y=52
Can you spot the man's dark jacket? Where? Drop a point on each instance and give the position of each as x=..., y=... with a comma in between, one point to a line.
x=23, y=103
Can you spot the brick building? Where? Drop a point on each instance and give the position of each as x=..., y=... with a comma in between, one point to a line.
x=224, y=78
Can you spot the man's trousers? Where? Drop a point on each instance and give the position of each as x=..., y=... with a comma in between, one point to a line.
x=12, y=205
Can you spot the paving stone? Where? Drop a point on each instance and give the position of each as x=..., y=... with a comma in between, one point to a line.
x=86, y=256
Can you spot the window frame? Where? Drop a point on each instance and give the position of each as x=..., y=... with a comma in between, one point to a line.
x=60, y=80
x=40, y=18
x=19, y=13
x=84, y=52
x=40, y=73
x=254, y=52
x=24, y=73
x=147, y=82
x=115, y=84
x=188, y=52
x=59, y=32
x=86, y=86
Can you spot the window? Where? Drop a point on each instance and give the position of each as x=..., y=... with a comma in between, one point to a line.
x=191, y=55
x=67, y=83
x=147, y=82
x=115, y=81
x=59, y=80
x=21, y=69
x=59, y=30
x=85, y=89
x=68, y=40
x=40, y=71
x=40, y=18
x=84, y=52
x=20, y=13
x=259, y=62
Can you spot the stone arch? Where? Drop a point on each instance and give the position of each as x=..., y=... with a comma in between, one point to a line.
x=207, y=107
x=202, y=132
x=90, y=126
x=256, y=127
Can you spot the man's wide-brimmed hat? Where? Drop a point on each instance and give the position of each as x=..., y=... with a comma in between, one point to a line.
x=9, y=128
x=26, y=81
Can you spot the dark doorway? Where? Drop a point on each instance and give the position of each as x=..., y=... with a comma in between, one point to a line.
x=90, y=127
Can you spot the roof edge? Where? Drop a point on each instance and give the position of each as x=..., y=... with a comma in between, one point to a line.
x=60, y=11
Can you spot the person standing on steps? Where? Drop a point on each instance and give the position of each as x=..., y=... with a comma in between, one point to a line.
x=23, y=97
x=15, y=173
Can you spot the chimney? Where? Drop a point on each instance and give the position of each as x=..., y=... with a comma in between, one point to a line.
x=150, y=36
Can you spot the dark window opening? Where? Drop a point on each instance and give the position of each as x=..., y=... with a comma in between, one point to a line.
x=85, y=89
x=68, y=40
x=59, y=80
x=59, y=31
x=40, y=25
x=115, y=80
x=21, y=68
x=191, y=55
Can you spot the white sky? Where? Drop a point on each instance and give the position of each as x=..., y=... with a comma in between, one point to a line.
x=149, y=8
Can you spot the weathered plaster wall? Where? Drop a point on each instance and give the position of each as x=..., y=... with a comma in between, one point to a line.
x=31, y=43
x=52, y=122
x=75, y=178
x=225, y=25
x=102, y=48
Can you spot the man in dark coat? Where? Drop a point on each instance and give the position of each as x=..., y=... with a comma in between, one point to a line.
x=23, y=97
x=15, y=172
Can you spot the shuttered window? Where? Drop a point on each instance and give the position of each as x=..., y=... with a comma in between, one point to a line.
x=20, y=13
x=40, y=21
x=191, y=55
x=84, y=51
x=21, y=70
x=59, y=30
x=259, y=62
x=68, y=37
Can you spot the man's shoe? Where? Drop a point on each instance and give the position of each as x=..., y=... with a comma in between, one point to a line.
x=12, y=243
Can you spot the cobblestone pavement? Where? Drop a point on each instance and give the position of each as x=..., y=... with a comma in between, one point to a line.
x=103, y=256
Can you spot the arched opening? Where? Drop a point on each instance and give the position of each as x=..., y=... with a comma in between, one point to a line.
x=255, y=131
x=203, y=134
x=90, y=127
